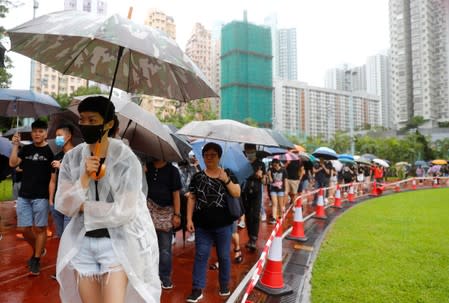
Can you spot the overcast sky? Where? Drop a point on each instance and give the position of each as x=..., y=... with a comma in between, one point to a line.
x=329, y=32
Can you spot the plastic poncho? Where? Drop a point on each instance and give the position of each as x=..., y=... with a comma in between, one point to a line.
x=127, y=219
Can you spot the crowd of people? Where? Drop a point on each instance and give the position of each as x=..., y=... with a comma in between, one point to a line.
x=116, y=214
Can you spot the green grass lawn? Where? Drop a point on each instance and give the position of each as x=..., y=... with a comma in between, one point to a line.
x=391, y=249
x=6, y=190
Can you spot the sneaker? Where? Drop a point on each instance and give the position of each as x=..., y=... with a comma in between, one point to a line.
x=241, y=224
x=168, y=285
x=191, y=238
x=173, y=240
x=35, y=267
x=224, y=292
x=195, y=296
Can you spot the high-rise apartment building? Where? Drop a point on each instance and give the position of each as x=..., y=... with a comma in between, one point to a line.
x=246, y=72
x=378, y=83
x=419, y=60
x=158, y=105
x=300, y=109
x=286, y=61
x=199, y=49
x=346, y=78
x=49, y=81
x=205, y=53
x=284, y=50
x=157, y=19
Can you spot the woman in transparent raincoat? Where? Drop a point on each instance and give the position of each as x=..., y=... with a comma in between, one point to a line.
x=108, y=252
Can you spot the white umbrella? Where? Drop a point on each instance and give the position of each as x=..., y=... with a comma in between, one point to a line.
x=381, y=162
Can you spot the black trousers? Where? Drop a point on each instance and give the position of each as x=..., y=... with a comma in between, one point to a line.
x=252, y=206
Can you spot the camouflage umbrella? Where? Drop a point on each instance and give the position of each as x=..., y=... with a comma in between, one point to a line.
x=111, y=50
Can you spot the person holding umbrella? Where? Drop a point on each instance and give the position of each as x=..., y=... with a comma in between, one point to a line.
x=32, y=203
x=208, y=217
x=108, y=252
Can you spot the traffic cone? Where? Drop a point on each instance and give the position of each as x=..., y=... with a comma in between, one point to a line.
x=272, y=281
x=320, y=212
x=374, y=189
x=297, y=232
x=351, y=195
x=414, y=184
x=337, y=200
x=397, y=188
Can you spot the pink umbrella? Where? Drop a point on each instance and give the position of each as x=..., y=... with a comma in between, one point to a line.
x=287, y=157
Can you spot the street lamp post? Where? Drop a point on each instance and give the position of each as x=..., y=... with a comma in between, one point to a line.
x=351, y=109
x=35, y=7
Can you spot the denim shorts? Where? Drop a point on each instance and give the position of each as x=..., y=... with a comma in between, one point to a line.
x=95, y=258
x=32, y=212
x=277, y=193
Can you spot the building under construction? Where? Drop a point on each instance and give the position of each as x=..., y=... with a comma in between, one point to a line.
x=246, y=73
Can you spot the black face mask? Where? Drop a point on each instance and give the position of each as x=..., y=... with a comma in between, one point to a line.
x=91, y=133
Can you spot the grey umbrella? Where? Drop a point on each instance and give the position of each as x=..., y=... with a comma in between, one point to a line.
x=144, y=132
x=227, y=130
x=280, y=138
x=26, y=103
x=111, y=50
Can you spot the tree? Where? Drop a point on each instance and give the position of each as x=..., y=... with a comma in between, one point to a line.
x=65, y=99
x=5, y=76
x=199, y=110
x=341, y=143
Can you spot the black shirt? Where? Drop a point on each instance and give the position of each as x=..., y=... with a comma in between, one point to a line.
x=210, y=209
x=162, y=182
x=36, y=165
x=293, y=170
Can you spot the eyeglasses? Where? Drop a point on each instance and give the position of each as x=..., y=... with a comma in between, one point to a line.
x=210, y=155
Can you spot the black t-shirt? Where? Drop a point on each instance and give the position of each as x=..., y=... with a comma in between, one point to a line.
x=293, y=170
x=57, y=157
x=36, y=165
x=162, y=182
x=252, y=186
x=210, y=209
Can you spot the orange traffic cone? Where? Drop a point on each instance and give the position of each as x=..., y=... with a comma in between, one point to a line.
x=337, y=200
x=272, y=281
x=297, y=232
x=397, y=188
x=351, y=195
x=374, y=189
x=414, y=184
x=320, y=213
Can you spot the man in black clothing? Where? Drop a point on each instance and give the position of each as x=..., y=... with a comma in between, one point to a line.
x=32, y=203
x=252, y=195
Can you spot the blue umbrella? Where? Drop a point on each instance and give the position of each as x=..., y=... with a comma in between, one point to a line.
x=26, y=103
x=421, y=163
x=346, y=156
x=5, y=147
x=325, y=153
x=232, y=158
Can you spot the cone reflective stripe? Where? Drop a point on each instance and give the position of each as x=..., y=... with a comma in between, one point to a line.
x=320, y=212
x=337, y=197
x=413, y=184
x=297, y=232
x=374, y=189
x=272, y=281
x=351, y=196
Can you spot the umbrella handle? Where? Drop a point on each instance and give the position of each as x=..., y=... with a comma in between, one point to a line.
x=102, y=170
